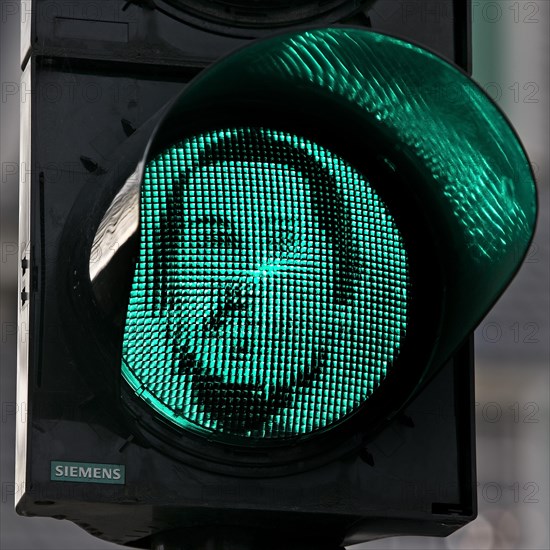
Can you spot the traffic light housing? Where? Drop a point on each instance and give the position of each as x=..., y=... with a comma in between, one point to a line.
x=238, y=302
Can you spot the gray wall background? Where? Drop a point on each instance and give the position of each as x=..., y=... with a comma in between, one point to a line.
x=511, y=44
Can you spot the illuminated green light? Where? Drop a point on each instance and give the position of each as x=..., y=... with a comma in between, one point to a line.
x=270, y=296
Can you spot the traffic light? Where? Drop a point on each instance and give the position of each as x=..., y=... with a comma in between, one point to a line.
x=251, y=293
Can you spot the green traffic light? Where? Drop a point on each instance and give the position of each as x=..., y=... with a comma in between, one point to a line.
x=270, y=297
x=272, y=293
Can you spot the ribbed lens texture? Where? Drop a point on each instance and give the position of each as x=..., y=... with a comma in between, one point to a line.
x=270, y=296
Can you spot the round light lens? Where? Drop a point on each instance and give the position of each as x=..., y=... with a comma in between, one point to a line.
x=270, y=296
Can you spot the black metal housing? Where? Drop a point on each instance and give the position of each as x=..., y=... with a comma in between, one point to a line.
x=97, y=78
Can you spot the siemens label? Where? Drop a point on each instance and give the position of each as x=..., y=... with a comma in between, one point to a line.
x=85, y=472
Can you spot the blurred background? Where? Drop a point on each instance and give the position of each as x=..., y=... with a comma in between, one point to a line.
x=510, y=57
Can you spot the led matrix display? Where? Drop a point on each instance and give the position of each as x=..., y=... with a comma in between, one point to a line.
x=270, y=296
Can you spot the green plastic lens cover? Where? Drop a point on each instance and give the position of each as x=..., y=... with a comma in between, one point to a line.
x=477, y=186
x=271, y=293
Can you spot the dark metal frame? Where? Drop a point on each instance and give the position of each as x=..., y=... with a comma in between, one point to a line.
x=403, y=484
